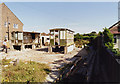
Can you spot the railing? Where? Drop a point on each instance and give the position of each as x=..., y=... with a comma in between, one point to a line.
x=106, y=61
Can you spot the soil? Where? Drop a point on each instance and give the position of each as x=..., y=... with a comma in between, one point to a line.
x=54, y=60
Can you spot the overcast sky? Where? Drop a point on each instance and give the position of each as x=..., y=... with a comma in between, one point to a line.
x=82, y=17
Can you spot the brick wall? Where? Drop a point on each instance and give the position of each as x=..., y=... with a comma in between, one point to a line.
x=6, y=12
x=0, y=24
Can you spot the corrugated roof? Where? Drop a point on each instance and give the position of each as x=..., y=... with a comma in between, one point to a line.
x=61, y=29
x=31, y=32
x=44, y=34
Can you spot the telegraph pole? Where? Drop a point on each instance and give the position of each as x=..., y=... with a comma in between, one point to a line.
x=8, y=28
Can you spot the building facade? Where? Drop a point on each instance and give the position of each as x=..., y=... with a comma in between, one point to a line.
x=11, y=28
x=115, y=30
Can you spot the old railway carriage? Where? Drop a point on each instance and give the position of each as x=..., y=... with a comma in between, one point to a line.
x=31, y=39
x=62, y=37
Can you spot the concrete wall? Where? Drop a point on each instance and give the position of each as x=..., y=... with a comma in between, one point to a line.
x=106, y=61
x=118, y=41
x=117, y=44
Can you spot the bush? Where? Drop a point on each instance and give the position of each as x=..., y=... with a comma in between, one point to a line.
x=118, y=53
x=108, y=38
x=92, y=37
x=109, y=45
x=79, y=43
x=86, y=37
x=115, y=51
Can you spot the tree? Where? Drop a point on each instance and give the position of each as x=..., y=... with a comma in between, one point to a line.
x=78, y=37
x=108, y=38
x=93, y=33
x=100, y=33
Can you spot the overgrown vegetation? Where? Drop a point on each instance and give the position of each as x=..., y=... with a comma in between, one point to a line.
x=6, y=61
x=83, y=39
x=108, y=38
x=24, y=71
x=109, y=41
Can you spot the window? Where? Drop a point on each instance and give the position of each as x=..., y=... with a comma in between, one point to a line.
x=5, y=24
x=33, y=36
x=15, y=25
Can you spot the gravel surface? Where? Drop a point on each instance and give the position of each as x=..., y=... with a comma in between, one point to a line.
x=54, y=60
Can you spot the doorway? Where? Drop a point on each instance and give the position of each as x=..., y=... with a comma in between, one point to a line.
x=42, y=40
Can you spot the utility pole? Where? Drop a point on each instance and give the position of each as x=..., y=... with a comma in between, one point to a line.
x=8, y=28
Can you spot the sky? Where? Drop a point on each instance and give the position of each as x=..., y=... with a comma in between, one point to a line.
x=81, y=17
x=59, y=0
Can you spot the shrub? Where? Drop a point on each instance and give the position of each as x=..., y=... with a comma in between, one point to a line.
x=118, y=53
x=108, y=38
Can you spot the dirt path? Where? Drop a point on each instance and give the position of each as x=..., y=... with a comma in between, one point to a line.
x=55, y=61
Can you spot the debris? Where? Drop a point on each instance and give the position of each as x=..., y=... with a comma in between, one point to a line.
x=5, y=65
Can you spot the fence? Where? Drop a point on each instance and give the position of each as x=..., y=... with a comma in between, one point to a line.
x=102, y=66
x=106, y=61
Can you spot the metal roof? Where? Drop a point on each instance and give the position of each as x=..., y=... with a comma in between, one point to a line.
x=31, y=32
x=61, y=29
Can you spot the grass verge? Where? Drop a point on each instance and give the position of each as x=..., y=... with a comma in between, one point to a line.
x=24, y=71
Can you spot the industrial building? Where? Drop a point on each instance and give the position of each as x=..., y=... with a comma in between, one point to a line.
x=61, y=37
